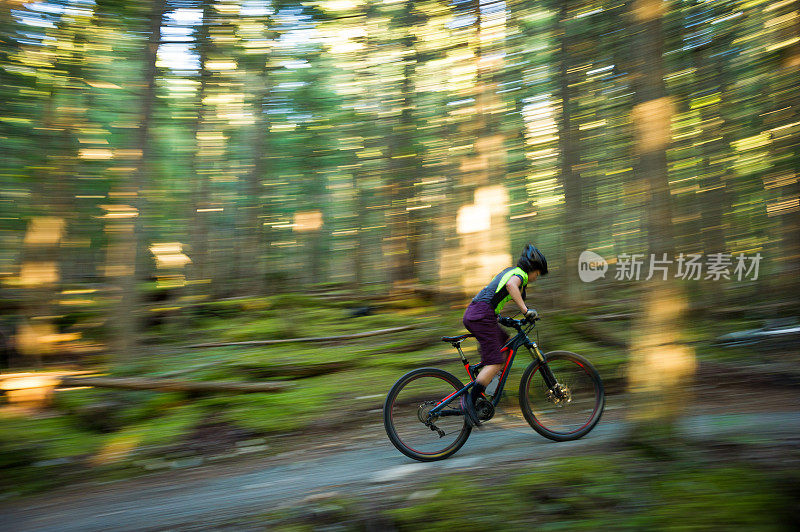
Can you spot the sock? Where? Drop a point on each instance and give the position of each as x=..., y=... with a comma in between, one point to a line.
x=477, y=390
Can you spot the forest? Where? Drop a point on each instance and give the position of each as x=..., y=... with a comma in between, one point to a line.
x=223, y=149
x=183, y=182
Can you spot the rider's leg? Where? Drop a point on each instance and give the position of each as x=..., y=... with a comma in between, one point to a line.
x=487, y=373
x=481, y=381
x=480, y=320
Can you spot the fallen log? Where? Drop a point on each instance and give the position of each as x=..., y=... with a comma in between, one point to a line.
x=310, y=339
x=295, y=371
x=613, y=317
x=33, y=389
x=25, y=375
x=134, y=383
x=590, y=332
x=190, y=369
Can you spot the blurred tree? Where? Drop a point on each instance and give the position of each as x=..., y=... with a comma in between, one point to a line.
x=316, y=108
x=782, y=120
x=708, y=43
x=569, y=161
x=714, y=173
x=481, y=194
x=126, y=221
x=367, y=143
x=403, y=158
x=393, y=141
x=661, y=367
x=255, y=239
x=61, y=107
x=204, y=149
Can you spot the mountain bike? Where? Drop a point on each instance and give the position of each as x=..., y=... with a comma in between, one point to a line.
x=560, y=395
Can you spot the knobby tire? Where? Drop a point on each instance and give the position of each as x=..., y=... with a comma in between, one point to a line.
x=571, y=420
x=411, y=436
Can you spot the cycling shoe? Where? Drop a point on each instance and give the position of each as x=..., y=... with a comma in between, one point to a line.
x=469, y=411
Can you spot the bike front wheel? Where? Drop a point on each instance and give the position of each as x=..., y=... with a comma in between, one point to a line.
x=408, y=425
x=570, y=409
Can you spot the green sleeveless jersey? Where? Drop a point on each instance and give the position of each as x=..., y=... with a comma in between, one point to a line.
x=496, y=294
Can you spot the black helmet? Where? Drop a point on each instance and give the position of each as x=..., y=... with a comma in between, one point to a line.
x=532, y=259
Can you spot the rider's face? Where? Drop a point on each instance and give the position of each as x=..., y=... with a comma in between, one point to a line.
x=533, y=276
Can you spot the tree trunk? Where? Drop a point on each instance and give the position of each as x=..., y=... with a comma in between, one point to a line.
x=483, y=224
x=785, y=149
x=126, y=222
x=404, y=250
x=198, y=238
x=660, y=365
x=715, y=173
x=42, y=257
x=362, y=221
x=713, y=200
x=131, y=383
x=569, y=145
x=253, y=256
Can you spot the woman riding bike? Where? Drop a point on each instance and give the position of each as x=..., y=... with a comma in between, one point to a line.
x=481, y=316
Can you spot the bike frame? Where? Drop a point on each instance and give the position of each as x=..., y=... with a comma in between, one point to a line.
x=512, y=346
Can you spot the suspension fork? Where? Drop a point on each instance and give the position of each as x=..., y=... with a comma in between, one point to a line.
x=547, y=374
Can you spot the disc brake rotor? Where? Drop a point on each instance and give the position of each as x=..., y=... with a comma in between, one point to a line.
x=560, y=395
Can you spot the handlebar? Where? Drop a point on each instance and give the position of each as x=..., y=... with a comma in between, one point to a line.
x=516, y=324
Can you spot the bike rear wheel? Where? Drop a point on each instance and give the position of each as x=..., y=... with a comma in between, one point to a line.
x=572, y=409
x=405, y=415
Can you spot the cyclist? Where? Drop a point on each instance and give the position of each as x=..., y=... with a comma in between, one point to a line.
x=481, y=315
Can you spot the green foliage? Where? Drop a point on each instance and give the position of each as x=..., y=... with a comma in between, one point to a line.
x=220, y=309
x=170, y=427
x=96, y=427
x=407, y=303
x=324, y=402
x=51, y=437
x=110, y=410
x=37, y=453
x=267, y=414
x=717, y=498
x=264, y=329
x=608, y=492
x=302, y=322
x=443, y=511
x=290, y=300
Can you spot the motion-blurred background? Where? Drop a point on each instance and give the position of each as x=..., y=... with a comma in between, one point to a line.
x=184, y=171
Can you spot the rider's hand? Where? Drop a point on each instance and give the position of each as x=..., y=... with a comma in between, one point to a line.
x=531, y=314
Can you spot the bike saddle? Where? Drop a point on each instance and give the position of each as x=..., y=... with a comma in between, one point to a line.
x=456, y=339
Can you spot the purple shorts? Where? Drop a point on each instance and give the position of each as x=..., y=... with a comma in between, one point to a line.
x=480, y=320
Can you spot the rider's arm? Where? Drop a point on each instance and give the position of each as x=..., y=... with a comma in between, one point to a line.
x=512, y=286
